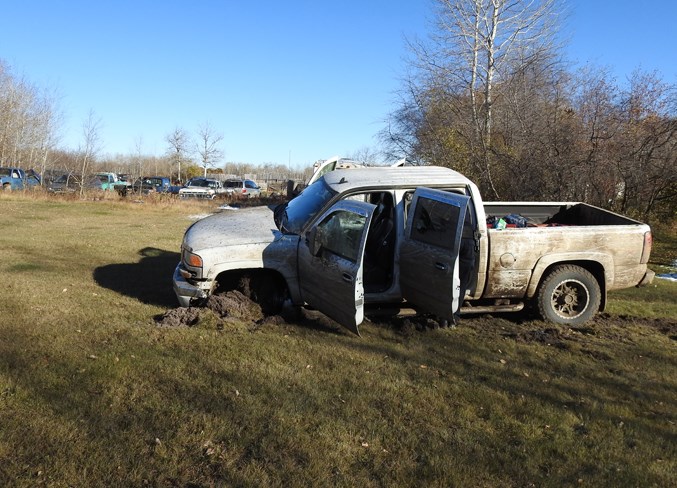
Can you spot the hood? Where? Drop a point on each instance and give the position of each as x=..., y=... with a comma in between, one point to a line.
x=232, y=227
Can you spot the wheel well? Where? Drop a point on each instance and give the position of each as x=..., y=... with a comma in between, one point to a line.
x=595, y=268
x=265, y=286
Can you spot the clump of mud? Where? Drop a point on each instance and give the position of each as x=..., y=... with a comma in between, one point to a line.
x=235, y=304
x=230, y=309
x=409, y=325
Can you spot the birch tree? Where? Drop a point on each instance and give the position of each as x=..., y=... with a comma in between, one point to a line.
x=29, y=120
x=475, y=46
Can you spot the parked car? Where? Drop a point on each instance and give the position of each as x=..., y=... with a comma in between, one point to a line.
x=146, y=185
x=383, y=238
x=110, y=181
x=201, y=188
x=70, y=183
x=18, y=179
x=242, y=188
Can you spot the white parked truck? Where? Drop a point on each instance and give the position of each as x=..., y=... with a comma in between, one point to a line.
x=381, y=239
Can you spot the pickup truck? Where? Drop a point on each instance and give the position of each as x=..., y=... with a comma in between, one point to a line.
x=18, y=179
x=202, y=188
x=110, y=182
x=365, y=240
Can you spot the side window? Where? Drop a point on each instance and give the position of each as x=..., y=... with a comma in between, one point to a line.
x=433, y=223
x=340, y=233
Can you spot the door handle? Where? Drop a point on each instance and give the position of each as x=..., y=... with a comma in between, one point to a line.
x=347, y=278
x=441, y=266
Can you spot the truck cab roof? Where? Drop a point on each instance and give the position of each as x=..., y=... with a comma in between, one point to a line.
x=342, y=180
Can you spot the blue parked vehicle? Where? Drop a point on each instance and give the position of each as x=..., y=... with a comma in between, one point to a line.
x=18, y=179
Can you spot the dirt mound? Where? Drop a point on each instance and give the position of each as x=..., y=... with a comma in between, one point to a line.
x=235, y=304
x=223, y=309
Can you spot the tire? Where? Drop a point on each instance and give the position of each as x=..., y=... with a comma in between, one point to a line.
x=269, y=293
x=268, y=290
x=569, y=295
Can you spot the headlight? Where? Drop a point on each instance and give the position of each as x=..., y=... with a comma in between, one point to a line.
x=191, y=259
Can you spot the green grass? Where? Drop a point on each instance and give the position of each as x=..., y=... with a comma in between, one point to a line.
x=94, y=393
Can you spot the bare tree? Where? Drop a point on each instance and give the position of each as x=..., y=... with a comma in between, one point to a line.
x=366, y=155
x=207, y=146
x=29, y=120
x=476, y=47
x=91, y=145
x=138, y=165
x=178, y=148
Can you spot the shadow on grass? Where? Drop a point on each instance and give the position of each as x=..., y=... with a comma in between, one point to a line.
x=149, y=280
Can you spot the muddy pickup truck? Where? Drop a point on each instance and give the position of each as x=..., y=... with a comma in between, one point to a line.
x=374, y=240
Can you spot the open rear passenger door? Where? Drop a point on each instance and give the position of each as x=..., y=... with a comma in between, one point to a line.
x=330, y=256
x=429, y=277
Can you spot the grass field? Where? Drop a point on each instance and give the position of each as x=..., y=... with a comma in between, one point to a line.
x=94, y=393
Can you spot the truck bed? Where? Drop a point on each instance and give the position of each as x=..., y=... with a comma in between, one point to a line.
x=561, y=213
x=560, y=232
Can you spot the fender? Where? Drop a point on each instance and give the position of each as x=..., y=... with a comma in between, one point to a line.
x=604, y=259
x=260, y=257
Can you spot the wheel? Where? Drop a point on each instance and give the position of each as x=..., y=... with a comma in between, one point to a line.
x=569, y=295
x=270, y=293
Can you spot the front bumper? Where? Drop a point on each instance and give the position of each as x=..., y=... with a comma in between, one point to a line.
x=186, y=292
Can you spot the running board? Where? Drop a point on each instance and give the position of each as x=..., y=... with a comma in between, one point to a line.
x=511, y=307
x=408, y=311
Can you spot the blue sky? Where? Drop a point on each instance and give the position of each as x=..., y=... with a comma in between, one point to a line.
x=283, y=81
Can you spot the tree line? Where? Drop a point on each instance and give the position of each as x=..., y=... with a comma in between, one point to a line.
x=30, y=124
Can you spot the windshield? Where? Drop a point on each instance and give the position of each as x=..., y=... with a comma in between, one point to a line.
x=198, y=182
x=305, y=206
